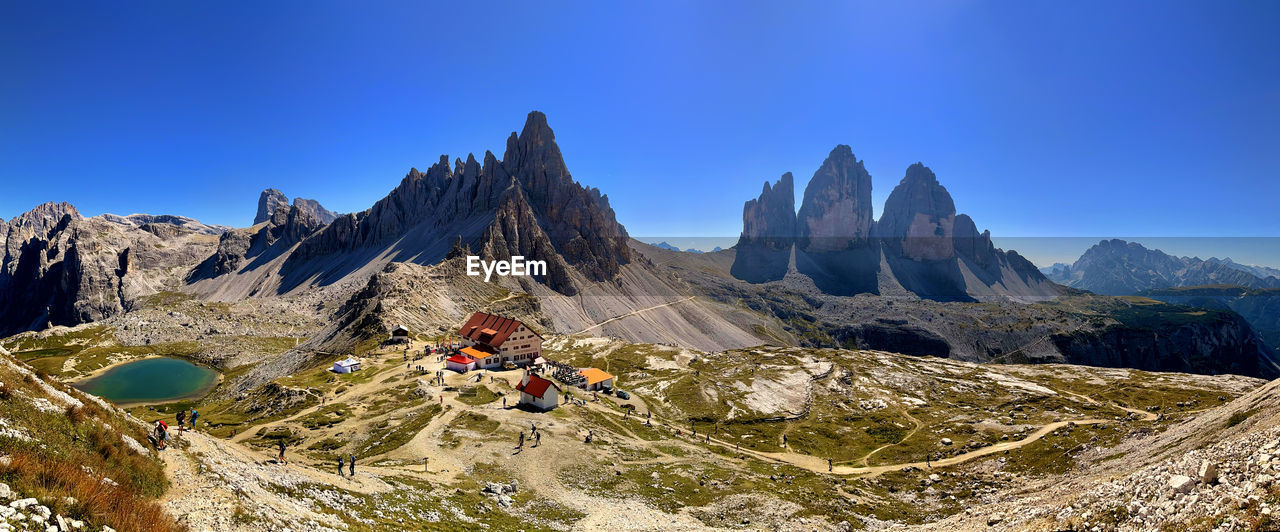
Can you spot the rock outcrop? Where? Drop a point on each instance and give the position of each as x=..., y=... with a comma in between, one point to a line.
x=768, y=231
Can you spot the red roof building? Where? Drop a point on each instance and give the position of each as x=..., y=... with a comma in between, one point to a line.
x=512, y=341
x=538, y=392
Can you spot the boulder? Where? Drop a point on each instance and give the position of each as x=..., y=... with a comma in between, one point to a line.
x=1181, y=483
x=1208, y=472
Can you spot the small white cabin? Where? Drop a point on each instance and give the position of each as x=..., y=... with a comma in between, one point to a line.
x=347, y=365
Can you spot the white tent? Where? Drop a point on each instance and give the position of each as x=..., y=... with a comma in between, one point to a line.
x=346, y=366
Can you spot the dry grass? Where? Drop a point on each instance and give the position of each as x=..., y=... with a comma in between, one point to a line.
x=95, y=501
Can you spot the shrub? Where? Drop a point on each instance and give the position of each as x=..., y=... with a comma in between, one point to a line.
x=76, y=414
x=1238, y=418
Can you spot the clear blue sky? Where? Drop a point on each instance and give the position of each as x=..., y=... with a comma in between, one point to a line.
x=1041, y=118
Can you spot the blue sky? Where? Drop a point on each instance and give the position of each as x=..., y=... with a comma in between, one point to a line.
x=1043, y=119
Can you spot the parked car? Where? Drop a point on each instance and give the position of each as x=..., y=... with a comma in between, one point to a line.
x=623, y=395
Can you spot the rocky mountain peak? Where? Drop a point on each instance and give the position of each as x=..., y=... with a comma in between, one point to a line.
x=272, y=200
x=772, y=215
x=919, y=215
x=268, y=202
x=768, y=230
x=836, y=212
x=314, y=209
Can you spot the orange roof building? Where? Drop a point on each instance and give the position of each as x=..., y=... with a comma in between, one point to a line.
x=596, y=379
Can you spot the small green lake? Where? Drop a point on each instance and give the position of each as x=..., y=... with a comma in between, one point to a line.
x=151, y=380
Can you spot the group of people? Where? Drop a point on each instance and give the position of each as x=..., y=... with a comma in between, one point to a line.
x=350, y=464
x=566, y=373
x=533, y=434
x=183, y=417
x=160, y=431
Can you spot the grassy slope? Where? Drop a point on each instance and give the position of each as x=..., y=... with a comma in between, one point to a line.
x=71, y=450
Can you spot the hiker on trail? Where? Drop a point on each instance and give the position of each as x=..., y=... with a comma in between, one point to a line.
x=340, y=464
x=281, y=459
x=161, y=435
x=784, y=440
x=352, y=465
x=182, y=418
x=828, y=465
x=425, y=460
x=504, y=402
x=194, y=415
x=521, y=444
x=533, y=429
x=537, y=439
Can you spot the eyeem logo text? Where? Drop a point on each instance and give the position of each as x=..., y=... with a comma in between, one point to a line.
x=517, y=266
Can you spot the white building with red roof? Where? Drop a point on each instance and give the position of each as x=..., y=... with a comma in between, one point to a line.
x=494, y=340
x=538, y=392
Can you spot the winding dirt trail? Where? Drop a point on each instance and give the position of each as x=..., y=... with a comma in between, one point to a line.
x=820, y=465
x=634, y=312
x=913, y=432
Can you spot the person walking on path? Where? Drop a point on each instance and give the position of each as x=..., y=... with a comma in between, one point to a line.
x=182, y=418
x=352, y=465
x=533, y=428
x=521, y=444
x=281, y=459
x=340, y=464
x=828, y=465
x=537, y=439
x=194, y=416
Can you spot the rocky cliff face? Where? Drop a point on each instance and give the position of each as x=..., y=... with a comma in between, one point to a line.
x=768, y=231
x=1117, y=267
x=836, y=212
x=919, y=217
x=1221, y=343
x=60, y=268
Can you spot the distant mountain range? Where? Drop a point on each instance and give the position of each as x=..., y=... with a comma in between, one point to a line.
x=667, y=246
x=1117, y=267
